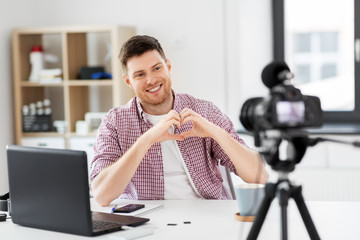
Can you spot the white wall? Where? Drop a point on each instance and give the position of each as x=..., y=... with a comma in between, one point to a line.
x=218, y=48
x=249, y=51
x=6, y=103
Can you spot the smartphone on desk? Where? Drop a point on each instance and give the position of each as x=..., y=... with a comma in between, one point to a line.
x=128, y=208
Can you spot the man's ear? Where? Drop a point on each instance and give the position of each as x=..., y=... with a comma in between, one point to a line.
x=168, y=64
x=127, y=80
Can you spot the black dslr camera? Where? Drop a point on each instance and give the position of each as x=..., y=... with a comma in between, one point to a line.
x=284, y=108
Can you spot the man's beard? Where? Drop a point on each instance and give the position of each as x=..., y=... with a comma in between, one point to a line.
x=148, y=100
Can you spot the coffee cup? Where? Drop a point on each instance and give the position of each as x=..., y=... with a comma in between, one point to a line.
x=249, y=198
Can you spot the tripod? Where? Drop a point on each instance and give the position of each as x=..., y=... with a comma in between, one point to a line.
x=283, y=188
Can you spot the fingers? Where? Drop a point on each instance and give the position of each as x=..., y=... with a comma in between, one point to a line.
x=199, y=128
x=173, y=117
x=161, y=131
x=171, y=122
x=176, y=137
x=188, y=115
x=173, y=114
x=188, y=134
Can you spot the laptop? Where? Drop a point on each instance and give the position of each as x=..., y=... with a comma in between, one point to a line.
x=49, y=190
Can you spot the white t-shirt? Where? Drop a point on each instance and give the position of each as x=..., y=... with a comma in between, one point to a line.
x=178, y=184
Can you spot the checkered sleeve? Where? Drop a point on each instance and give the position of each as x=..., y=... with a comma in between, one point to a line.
x=219, y=118
x=107, y=149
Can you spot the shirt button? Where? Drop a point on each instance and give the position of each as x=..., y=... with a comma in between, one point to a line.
x=159, y=153
x=161, y=178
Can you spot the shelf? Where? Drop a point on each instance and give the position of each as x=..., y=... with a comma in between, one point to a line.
x=33, y=84
x=75, y=47
x=43, y=134
x=69, y=83
x=56, y=134
x=69, y=29
x=90, y=82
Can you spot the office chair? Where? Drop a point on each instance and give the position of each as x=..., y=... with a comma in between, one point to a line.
x=228, y=183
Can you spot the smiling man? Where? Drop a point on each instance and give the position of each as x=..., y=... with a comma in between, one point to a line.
x=162, y=144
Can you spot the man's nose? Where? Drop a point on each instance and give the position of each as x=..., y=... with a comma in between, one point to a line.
x=150, y=79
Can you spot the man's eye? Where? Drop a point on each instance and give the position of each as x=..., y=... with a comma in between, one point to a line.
x=157, y=68
x=139, y=75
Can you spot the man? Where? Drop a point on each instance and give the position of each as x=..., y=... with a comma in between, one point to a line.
x=164, y=145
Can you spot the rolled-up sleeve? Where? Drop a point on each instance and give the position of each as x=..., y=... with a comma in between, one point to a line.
x=106, y=149
x=220, y=119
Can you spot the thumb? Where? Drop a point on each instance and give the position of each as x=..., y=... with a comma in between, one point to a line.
x=176, y=137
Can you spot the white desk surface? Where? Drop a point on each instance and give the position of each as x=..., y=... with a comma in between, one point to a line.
x=214, y=219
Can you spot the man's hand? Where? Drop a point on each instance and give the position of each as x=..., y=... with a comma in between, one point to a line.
x=201, y=126
x=160, y=132
x=247, y=162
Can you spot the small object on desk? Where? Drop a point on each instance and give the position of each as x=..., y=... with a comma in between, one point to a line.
x=187, y=222
x=148, y=208
x=244, y=218
x=127, y=208
x=3, y=217
x=4, y=202
x=172, y=224
x=113, y=209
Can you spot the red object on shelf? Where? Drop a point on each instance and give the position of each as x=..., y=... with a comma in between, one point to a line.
x=37, y=48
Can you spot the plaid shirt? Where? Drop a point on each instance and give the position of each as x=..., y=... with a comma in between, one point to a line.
x=121, y=127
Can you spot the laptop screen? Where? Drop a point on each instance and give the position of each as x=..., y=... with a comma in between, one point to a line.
x=49, y=189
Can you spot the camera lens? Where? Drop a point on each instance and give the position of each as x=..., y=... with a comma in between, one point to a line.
x=247, y=115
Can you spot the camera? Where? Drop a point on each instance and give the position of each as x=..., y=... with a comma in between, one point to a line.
x=276, y=123
x=285, y=108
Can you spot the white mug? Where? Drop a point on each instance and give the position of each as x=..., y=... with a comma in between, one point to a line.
x=249, y=198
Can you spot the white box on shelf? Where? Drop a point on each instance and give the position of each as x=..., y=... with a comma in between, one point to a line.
x=94, y=120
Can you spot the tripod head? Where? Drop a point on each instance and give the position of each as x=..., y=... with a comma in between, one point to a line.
x=270, y=141
x=298, y=140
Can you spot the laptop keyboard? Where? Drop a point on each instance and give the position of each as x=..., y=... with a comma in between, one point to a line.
x=118, y=219
x=102, y=226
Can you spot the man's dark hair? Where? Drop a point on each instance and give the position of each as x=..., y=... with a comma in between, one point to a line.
x=138, y=45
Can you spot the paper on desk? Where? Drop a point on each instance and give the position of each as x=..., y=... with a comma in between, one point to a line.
x=131, y=233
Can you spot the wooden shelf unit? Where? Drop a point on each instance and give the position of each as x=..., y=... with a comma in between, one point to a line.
x=71, y=98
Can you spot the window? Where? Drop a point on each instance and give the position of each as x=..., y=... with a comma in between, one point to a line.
x=316, y=39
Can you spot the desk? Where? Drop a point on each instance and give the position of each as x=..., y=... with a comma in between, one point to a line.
x=214, y=219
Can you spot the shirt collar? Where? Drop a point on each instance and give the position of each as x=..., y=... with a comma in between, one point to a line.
x=179, y=103
x=143, y=115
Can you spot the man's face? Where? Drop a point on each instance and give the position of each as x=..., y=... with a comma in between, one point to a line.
x=149, y=76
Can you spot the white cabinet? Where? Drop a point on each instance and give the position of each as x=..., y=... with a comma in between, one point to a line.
x=85, y=144
x=49, y=142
